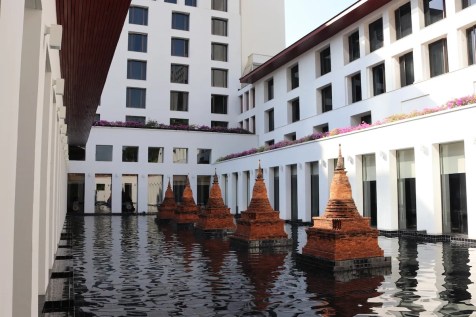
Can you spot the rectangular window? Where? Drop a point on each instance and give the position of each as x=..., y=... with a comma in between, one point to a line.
x=438, y=58
x=406, y=69
x=203, y=189
x=219, y=52
x=104, y=153
x=138, y=119
x=179, y=101
x=378, y=79
x=467, y=3
x=191, y=3
x=290, y=136
x=270, y=119
x=325, y=59
x=275, y=187
x=294, y=76
x=137, y=42
x=270, y=89
x=295, y=113
x=219, y=27
x=156, y=155
x=135, y=97
x=376, y=35
x=179, y=74
x=136, y=69
x=138, y=15
x=314, y=169
x=171, y=1
x=433, y=10
x=369, y=186
x=97, y=117
x=179, y=182
x=219, y=124
x=219, y=77
x=406, y=190
x=220, y=5
x=356, y=88
x=178, y=122
x=130, y=153
x=323, y=128
x=453, y=188
x=180, y=21
x=219, y=104
x=471, y=40
x=326, y=98
x=204, y=156
x=180, y=155
x=403, y=21
x=354, y=46
x=179, y=47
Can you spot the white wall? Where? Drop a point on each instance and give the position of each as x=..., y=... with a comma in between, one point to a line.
x=423, y=134
x=425, y=92
x=220, y=143
x=34, y=163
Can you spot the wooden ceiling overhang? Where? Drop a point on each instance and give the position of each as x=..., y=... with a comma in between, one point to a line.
x=327, y=30
x=91, y=30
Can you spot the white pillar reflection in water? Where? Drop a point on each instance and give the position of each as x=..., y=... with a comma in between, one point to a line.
x=430, y=277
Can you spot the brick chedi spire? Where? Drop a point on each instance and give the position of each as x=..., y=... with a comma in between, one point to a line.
x=187, y=212
x=216, y=217
x=166, y=209
x=342, y=235
x=260, y=226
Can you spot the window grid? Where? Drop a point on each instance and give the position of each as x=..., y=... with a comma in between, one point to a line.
x=135, y=97
x=219, y=52
x=137, y=42
x=138, y=15
x=219, y=27
x=326, y=98
x=378, y=79
x=136, y=69
x=354, y=46
x=356, y=88
x=219, y=104
x=325, y=59
x=403, y=21
x=179, y=73
x=179, y=101
x=179, y=47
x=376, y=35
x=219, y=77
x=438, y=56
x=406, y=69
x=180, y=21
x=220, y=5
x=433, y=10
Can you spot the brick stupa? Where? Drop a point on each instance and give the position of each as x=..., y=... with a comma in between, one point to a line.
x=260, y=226
x=166, y=210
x=216, y=217
x=186, y=214
x=342, y=239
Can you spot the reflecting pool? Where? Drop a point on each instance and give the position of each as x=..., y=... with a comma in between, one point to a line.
x=130, y=266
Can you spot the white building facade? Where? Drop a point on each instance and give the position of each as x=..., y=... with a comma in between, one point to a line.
x=372, y=61
x=176, y=63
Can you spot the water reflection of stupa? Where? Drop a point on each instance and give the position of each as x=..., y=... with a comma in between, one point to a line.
x=260, y=226
x=186, y=214
x=345, y=298
x=166, y=209
x=342, y=240
x=215, y=217
x=262, y=270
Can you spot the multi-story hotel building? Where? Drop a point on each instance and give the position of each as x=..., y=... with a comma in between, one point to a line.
x=176, y=63
x=374, y=60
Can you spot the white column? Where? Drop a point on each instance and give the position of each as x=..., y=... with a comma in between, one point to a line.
x=387, y=197
x=323, y=186
x=285, y=192
x=470, y=158
x=428, y=189
x=11, y=18
x=304, y=191
x=142, y=192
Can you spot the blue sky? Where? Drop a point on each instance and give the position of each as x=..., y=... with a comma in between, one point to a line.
x=303, y=16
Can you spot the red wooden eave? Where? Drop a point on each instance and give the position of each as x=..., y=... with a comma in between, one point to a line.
x=91, y=30
x=327, y=30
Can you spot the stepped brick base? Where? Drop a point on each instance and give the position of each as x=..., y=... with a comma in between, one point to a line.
x=279, y=244
x=348, y=269
x=216, y=222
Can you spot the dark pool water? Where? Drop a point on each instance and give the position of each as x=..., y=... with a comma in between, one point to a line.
x=130, y=266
